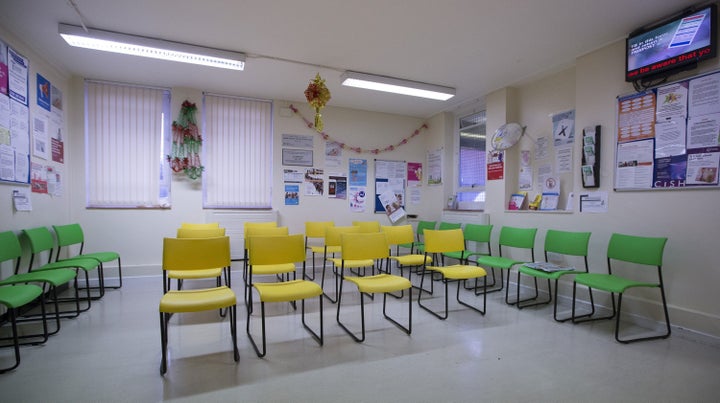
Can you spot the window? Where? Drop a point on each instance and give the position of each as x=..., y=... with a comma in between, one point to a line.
x=127, y=134
x=237, y=152
x=471, y=160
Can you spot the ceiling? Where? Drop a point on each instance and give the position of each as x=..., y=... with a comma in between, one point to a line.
x=475, y=46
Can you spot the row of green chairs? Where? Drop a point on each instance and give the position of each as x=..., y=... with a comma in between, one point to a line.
x=624, y=250
x=23, y=291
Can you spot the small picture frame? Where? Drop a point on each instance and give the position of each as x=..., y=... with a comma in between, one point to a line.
x=295, y=157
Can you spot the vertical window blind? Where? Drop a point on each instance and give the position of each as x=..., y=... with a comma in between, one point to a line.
x=237, y=152
x=126, y=135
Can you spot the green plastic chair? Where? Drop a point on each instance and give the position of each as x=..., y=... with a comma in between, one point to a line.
x=421, y=227
x=15, y=297
x=49, y=280
x=562, y=243
x=41, y=241
x=637, y=252
x=72, y=234
x=510, y=237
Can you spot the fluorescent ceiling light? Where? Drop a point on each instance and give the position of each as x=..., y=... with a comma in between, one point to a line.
x=397, y=86
x=149, y=47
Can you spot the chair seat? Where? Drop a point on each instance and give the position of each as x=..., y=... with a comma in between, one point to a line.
x=459, y=271
x=352, y=264
x=609, y=282
x=330, y=249
x=287, y=291
x=412, y=260
x=19, y=295
x=194, y=274
x=552, y=275
x=455, y=255
x=265, y=269
x=79, y=263
x=497, y=261
x=197, y=300
x=380, y=283
x=54, y=277
x=102, y=256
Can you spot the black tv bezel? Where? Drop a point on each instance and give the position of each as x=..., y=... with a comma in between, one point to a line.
x=664, y=72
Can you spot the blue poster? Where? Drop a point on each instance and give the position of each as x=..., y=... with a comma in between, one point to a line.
x=292, y=195
x=43, y=92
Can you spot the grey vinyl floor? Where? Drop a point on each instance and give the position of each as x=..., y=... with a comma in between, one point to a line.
x=112, y=354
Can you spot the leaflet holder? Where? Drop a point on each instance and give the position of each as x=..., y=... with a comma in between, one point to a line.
x=591, y=157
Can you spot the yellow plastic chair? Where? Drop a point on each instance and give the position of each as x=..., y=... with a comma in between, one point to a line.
x=443, y=241
x=315, y=241
x=363, y=250
x=261, y=231
x=367, y=226
x=416, y=245
x=253, y=224
x=633, y=253
x=216, y=272
x=281, y=254
x=333, y=246
x=400, y=235
x=196, y=254
x=192, y=225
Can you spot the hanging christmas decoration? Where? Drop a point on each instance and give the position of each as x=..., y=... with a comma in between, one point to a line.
x=317, y=95
x=359, y=150
x=186, y=143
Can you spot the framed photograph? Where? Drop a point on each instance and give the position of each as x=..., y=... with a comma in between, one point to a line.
x=301, y=158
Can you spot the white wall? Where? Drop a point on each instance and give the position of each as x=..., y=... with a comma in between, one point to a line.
x=688, y=218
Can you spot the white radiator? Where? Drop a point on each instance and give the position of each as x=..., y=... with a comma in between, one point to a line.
x=234, y=223
x=465, y=217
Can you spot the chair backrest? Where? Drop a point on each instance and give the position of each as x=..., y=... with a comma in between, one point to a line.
x=276, y=249
x=399, y=234
x=422, y=226
x=523, y=238
x=333, y=235
x=316, y=229
x=368, y=245
x=192, y=225
x=41, y=239
x=195, y=253
x=200, y=232
x=449, y=225
x=10, y=248
x=567, y=243
x=636, y=249
x=69, y=234
x=257, y=224
x=367, y=226
x=442, y=241
x=254, y=231
x=480, y=234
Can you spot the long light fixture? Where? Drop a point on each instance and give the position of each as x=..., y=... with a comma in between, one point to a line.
x=396, y=85
x=150, y=47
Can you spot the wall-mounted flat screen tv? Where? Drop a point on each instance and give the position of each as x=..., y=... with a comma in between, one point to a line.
x=672, y=45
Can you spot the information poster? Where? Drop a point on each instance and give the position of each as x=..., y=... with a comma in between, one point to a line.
x=669, y=137
x=15, y=148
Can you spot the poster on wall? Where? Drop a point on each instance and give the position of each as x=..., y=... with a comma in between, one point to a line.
x=435, y=173
x=389, y=178
x=669, y=137
x=495, y=165
x=292, y=194
x=14, y=117
x=564, y=127
x=357, y=184
x=414, y=174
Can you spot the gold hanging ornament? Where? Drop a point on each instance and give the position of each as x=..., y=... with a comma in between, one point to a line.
x=317, y=95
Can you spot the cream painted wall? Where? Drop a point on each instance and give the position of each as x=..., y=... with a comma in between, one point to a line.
x=45, y=208
x=688, y=218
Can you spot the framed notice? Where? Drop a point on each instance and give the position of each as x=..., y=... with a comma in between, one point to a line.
x=302, y=158
x=669, y=137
